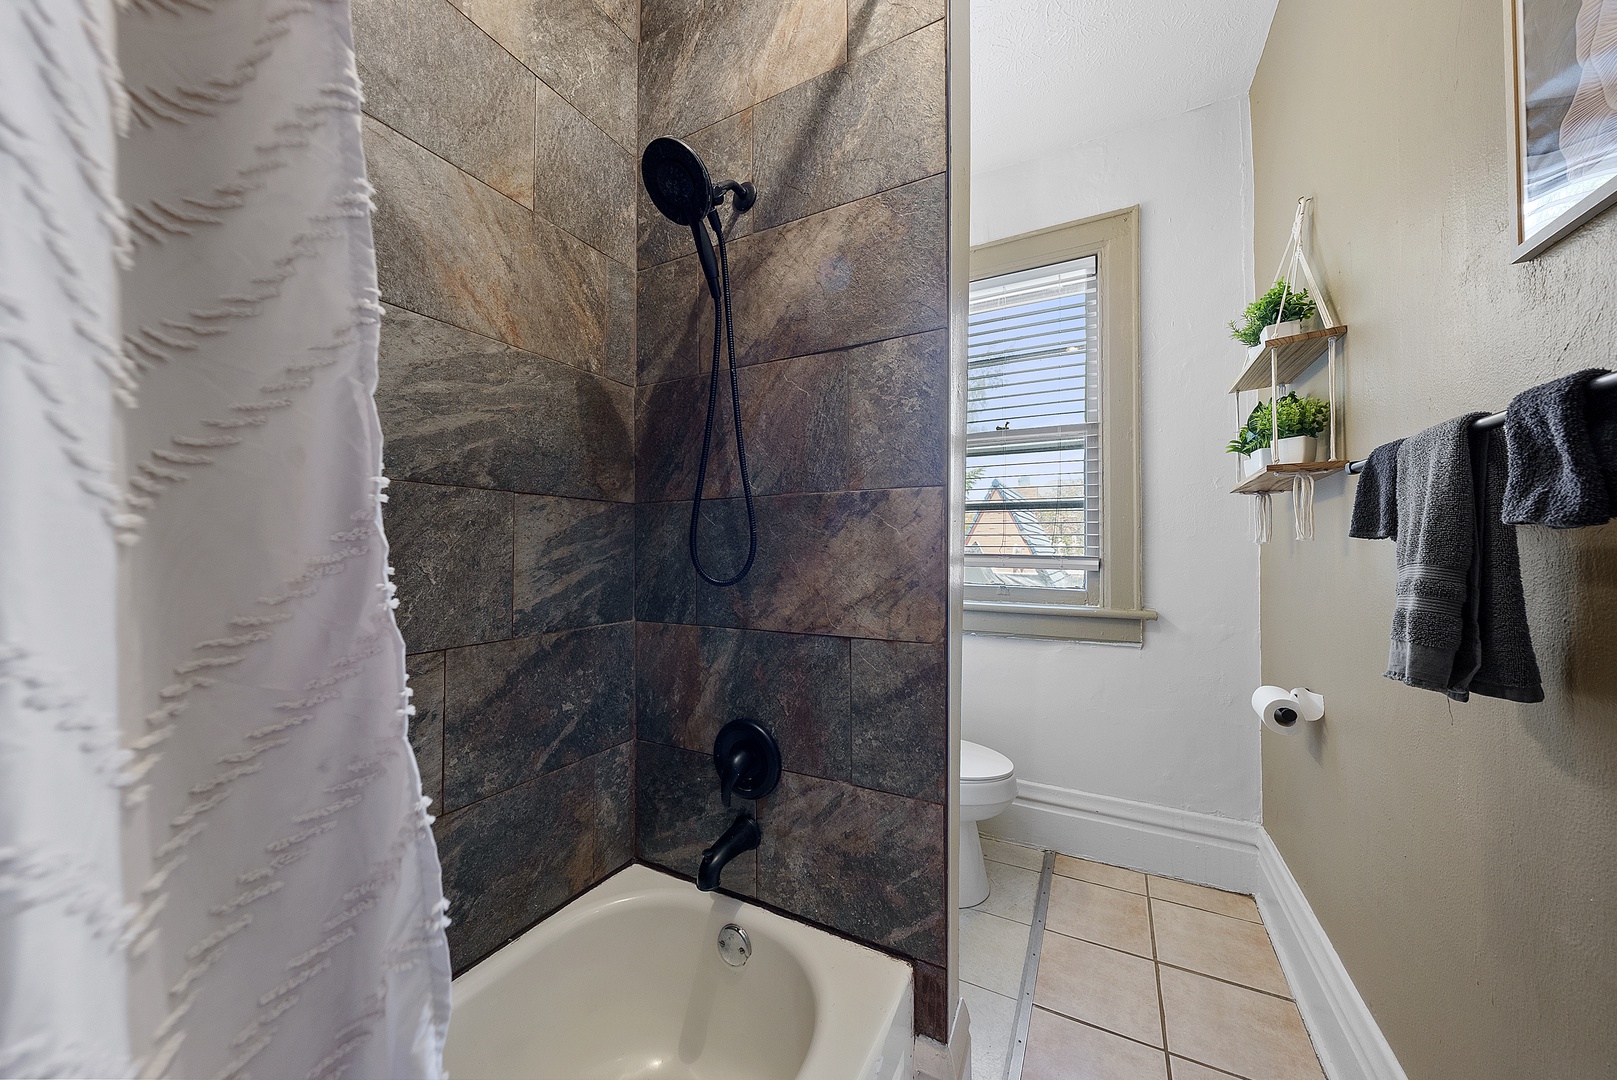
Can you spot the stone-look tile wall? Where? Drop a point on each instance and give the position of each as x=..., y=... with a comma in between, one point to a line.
x=500, y=137
x=836, y=640
x=543, y=459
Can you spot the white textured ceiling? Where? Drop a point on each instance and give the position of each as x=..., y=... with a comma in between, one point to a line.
x=1049, y=74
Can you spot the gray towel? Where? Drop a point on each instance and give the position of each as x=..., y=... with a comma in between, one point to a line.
x=1563, y=455
x=1459, y=623
x=1506, y=666
x=1375, y=503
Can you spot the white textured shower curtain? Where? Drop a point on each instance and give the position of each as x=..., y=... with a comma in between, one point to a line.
x=214, y=855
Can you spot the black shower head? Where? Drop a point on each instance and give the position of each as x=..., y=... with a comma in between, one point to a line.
x=682, y=190
x=677, y=181
x=680, y=186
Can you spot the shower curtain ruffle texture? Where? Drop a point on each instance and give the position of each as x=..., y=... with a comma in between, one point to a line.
x=215, y=860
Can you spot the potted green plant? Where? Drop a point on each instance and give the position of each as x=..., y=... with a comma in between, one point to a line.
x=1299, y=422
x=1264, y=318
x=1252, y=443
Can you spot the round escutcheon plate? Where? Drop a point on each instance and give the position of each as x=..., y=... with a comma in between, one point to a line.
x=734, y=945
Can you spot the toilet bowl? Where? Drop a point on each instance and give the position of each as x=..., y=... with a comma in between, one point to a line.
x=987, y=787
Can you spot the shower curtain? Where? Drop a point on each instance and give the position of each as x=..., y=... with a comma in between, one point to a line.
x=214, y=855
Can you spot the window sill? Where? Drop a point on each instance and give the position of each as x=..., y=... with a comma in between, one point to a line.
x=1064, y=622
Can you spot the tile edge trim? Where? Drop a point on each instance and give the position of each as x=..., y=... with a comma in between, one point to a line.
x=1030, y=970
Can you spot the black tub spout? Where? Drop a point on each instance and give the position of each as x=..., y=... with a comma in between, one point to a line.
x=742, y=835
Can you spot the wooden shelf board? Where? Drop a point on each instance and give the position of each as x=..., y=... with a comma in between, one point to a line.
x=1297, y=353
x=1278, y=477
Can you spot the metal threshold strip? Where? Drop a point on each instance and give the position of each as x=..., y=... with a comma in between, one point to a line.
x=1030, y=970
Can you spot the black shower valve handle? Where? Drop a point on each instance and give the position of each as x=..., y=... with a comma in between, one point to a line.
x=732, y=771
x=747, y=759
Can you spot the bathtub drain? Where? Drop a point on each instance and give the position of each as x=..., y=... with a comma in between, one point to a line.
x=734, y=945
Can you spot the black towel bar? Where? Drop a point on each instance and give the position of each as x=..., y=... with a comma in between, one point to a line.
x=1605, y=382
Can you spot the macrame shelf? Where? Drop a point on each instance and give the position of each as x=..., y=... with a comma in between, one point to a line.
x=1276, y=363
x=1293, y=356
x=1278, y=477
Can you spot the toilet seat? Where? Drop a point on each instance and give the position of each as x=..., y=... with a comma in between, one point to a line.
x=987, y=780
x=980, y=765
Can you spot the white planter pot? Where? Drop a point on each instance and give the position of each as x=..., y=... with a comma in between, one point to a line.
x=1296, y=450
x=1256, y=462
x=1289, y=328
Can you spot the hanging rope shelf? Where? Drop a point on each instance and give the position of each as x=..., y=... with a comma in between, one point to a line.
x=1279, y=361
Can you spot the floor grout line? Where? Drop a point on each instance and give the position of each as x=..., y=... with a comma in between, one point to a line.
x=979, y=911
x=987, y=990
x=1030, y=970
x=1153, y=896
x=1109, y=1031
x=1211, y=1068
x=1103, y=885
x=1206, y=911
x=1026, y=1006
x=1162, y=963
x=1148, y=894
x=1227, y=982
x=1013, y=866
x=1103, y=945
x=1166, y=1054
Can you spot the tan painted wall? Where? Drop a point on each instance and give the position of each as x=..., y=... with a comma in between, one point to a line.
x=1463, y=859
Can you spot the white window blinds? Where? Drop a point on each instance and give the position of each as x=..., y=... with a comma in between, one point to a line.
x=1033, y=462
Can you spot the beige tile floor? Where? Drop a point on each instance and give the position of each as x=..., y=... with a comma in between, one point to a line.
x=1140, y=978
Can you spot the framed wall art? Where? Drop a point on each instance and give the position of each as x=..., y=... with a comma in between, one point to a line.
x=1563, y=116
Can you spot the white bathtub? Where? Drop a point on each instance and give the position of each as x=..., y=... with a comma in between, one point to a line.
x=626, y=983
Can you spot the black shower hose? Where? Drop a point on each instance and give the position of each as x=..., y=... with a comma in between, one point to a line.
x=707, y=435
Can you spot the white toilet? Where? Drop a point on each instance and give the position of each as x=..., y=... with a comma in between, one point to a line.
x=987, y=786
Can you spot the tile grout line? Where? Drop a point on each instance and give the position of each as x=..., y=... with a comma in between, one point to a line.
x=1206, y=911
x=1101, y=945
x=1226, y=982
x=1117, y=888
x=1157, y=966
x=1129, y=1038
x=1030, y=970
x=1161, y=963
x=440, y=320
x=498, y=44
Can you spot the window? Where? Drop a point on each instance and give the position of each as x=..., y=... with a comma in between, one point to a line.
x=1052, y=457
x=1032, y=431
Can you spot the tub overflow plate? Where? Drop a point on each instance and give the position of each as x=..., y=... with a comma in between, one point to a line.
x=734, y=945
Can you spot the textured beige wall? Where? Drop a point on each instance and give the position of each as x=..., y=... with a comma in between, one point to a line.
x=1462, y=858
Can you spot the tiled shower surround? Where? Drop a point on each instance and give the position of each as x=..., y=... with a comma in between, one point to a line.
x=835, y=641
x=570, y=669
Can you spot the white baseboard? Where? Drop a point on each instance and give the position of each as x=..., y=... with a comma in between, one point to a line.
x=1226, y=854
x=1221, y=852
x=1347, y=1037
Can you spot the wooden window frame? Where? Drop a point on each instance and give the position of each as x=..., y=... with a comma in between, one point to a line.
x=1111, y=611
